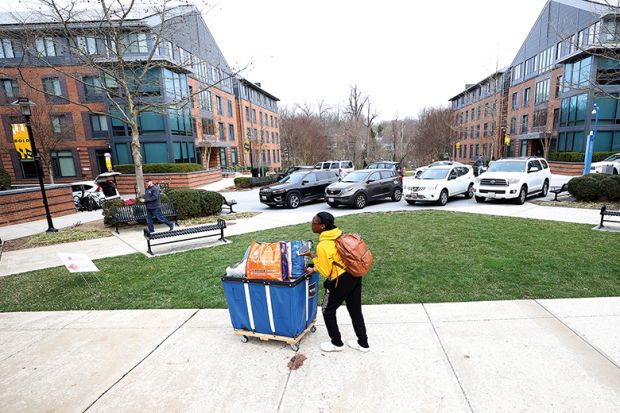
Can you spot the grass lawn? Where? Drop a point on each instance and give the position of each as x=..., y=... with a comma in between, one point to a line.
x=426, y=256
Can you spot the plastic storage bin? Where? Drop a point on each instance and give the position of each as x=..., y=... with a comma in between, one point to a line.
x=278, y=310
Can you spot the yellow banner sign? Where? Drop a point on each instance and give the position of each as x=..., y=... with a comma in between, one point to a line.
x=22, y=140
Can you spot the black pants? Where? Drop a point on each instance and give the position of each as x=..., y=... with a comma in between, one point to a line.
x=345, y=288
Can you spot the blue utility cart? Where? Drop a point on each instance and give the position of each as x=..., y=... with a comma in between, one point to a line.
x=273, y=310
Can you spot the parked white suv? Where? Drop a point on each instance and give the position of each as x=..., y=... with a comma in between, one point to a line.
x=342, y=167
x=513, y=178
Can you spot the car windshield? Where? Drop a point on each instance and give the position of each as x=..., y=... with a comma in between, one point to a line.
x=293, y=178
x=615, y=157
x=435, y=173
x=507, y=166
x=438, y=163
x=355, y=177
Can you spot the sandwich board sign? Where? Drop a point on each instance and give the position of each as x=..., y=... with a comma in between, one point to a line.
x=78, y=262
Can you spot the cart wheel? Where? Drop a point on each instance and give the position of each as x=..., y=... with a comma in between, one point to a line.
x=313, y=329
x=295, y=347
x=244, y=339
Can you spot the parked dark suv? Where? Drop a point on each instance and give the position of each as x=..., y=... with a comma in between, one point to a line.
x=292, y=169
x=298, y=188
x=359, y=187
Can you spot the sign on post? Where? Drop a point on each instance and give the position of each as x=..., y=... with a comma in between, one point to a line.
x=21, y=140
x=78, y=262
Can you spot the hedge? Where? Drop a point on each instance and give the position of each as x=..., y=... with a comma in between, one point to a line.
x=577, y=156
x=107, y=210
x=159, y=168
x=5, y=180
x=191, y=203
x=595, y=187
x=248, y=182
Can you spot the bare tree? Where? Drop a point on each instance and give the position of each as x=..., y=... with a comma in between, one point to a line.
x=124, y=54
x=434, y=138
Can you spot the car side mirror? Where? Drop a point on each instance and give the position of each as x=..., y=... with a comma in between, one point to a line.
x=304, y=182
x=370, y=181
x=452, y=177
x=533, y=169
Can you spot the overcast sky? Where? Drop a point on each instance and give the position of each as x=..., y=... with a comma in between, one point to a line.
x=404, y=54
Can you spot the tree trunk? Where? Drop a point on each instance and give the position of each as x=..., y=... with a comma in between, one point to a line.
x=137, y=156
x=50, y=170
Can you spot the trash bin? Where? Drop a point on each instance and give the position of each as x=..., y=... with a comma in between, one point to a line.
x=280, y=310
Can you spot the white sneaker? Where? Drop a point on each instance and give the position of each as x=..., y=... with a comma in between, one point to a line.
x=328, y=347
x=354, y=344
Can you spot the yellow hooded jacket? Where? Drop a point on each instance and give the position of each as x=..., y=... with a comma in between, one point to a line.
x=326, y=255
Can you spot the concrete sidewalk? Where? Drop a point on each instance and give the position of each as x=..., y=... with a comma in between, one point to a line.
x=534, y=356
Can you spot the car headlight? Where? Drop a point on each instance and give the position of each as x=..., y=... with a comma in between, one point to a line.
x=346, y=191
x=512, y=181
x=279, y=191
x=477, y=180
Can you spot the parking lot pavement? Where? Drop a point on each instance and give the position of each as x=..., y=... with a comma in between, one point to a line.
x=524, y=355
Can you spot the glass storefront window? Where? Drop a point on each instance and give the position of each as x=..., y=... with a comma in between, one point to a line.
x=122, y=154
x=154, y=152
x=602, y=141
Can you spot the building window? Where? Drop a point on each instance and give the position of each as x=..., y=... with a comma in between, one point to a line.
x=99, y=123
x=234, y=156
x=10, y=88
x=63, y=164
x=151, y=123
x=223, y=160
x=45, y=46
x=515, y=100
x=208, y=127
x=526, y=97
x=59, y=124
x=183, y=152
x=247, y=114
x=471, y=151
x=204, y=100
x=253, y=115
x=577, y=74
x=542, y=91
x=558, y=86
x=573, y=110
x=540, y=118
x=486, y=130
x=231, y=132
x=218, y=100
x=51, y=86
x=513, y=125
x=6, y=49
x=524, y=123
x=92, y=86
x=222, y=131
x=87, y=45
x=229, y=108
x=477, y=131
x=134, y=43
x=28, y=168
x=530, y=66
x=155, y=152
x=268, y=157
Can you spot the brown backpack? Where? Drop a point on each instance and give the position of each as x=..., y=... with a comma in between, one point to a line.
x=355, y=255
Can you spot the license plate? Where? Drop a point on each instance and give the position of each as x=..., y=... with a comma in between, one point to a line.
x=491, y=194
x=263, y=197
x=330, y=199
x=414, y=195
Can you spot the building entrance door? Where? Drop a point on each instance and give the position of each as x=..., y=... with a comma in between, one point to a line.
x=100, y=159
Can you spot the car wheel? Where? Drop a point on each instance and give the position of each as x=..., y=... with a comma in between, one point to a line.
x=520, y=200
x=443, y=198
x=410, y=202
x=397, y=195
x=615, y=172
x=332, y=204
x=360, y=201
x=480, y=199
x=545, y=189
x=292, y=200
x=470, y=192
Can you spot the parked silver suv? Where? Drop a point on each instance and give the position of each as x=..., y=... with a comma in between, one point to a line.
x=513, y=178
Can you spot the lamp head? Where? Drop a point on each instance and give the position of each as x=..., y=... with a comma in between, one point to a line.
x=25, y=105
x=594, y=109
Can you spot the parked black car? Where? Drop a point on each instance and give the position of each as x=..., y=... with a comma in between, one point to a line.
x=298, y=188
x=359, y=187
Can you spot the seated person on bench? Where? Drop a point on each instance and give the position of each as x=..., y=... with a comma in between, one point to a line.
x=152, y=199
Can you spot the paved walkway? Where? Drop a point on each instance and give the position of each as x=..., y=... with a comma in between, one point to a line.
x=504, y=356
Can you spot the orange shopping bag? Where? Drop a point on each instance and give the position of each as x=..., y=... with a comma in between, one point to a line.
x=264, y=261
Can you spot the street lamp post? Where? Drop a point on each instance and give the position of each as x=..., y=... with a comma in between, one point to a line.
x=590, y=143
x=25, y=106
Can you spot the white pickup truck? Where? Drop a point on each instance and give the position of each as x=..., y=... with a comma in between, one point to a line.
x=513, y=178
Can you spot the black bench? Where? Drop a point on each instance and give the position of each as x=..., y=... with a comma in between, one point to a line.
x=557, y=190
x=229, y=205
x=608, y=213
x=152, y=236
x=137, y=213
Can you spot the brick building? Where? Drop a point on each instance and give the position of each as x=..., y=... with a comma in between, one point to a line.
x=566, y=65
x=208, y=129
